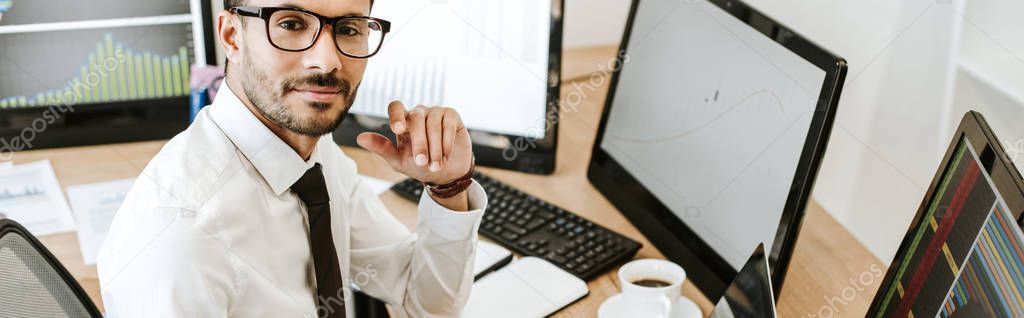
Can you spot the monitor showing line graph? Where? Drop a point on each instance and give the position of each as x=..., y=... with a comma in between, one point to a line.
x=95, y=52
x=486, y=58
x=711, y=117
x=965, y=258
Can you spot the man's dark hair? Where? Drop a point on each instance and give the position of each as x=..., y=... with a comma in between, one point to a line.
x=233, y=3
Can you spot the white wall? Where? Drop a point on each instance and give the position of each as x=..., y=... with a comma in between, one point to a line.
x=886, y=142
x=903, y=97
x=594, y=22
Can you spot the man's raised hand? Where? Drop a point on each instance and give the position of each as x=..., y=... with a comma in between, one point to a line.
x=432, y=146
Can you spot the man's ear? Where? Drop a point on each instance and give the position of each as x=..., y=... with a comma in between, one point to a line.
x=227, y=34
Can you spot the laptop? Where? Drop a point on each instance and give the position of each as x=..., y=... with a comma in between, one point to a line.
x=750, y=295
x=963, y=255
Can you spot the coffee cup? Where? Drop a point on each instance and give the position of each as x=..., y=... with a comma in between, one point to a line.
x=651, y=286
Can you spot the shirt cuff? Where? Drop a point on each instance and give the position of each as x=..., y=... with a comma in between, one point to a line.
x=452, y=225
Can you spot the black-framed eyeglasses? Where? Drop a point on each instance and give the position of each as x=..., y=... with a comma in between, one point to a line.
x=296, y=30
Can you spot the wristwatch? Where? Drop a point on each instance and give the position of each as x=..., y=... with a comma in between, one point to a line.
x=453, y=188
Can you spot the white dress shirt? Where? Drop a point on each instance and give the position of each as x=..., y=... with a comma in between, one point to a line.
x=211, y=229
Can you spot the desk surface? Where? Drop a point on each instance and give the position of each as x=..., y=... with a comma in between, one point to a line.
x=828, y=261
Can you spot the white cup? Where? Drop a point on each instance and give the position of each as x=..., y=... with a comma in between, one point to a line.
x=649, y=301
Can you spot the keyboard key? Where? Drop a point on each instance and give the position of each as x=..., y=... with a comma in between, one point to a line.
x=510, y=236
x=514, y=228
x=534, y=224
x=555, y=258
x=545, y=215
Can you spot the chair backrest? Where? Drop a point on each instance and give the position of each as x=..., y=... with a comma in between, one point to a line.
x=33, y=283
x=369, y=307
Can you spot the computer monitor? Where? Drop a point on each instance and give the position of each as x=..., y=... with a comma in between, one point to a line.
x=750, y=294
x=716, y=122
x=91, y=72
x=963, y=255
x=497, y=62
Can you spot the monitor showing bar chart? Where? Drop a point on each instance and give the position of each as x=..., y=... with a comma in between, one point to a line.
x=486, y=58
x=966, y=257
x=94, y=52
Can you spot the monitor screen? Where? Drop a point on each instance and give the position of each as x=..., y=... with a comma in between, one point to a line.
x=711, y=117
x=488, y=59
x=750, y=294
x=96, y=52
x=965, y=257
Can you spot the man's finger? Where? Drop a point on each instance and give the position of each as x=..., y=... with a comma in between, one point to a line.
x=451, y=128
x=416, y=120
x=381, y=146
x=396, y=116
x=435, y=131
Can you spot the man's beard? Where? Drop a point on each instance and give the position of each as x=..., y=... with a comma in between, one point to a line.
x=271, y=103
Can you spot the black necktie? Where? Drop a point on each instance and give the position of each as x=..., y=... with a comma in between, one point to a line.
x=312, y=190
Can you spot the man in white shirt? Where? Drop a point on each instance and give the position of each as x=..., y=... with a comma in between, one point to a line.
x=253, y=211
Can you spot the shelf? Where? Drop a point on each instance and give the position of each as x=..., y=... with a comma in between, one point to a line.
x=96, y=24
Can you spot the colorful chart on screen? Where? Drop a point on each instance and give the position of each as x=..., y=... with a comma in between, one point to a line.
x=967, y=255
x=94, y=52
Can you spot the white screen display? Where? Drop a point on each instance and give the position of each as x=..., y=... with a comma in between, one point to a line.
x=711, y=117
x=488, y=59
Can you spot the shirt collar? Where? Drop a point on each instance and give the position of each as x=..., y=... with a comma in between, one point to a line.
x=277, y=162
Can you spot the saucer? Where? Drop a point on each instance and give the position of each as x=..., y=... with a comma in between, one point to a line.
x=612, y=308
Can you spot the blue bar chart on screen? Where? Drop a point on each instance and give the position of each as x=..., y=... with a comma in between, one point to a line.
x=99, y=71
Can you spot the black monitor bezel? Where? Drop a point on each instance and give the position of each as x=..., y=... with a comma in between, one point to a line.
x=110, y=122
x=521, y=153
x=709, y=271
x=1007, y=179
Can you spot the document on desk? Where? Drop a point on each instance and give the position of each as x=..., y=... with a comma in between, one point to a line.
x=529, y=287
x=378, y=186
x=95, y=205
x=31, y=195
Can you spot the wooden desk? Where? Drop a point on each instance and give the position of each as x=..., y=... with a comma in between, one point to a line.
x=827, y=257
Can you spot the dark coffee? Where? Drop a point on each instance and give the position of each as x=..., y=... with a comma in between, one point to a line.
x=650, y=282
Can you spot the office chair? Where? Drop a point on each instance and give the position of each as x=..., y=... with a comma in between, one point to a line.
x=369, y=307
x=33, y=283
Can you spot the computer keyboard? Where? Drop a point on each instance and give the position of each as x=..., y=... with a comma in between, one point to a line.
x=532, y=227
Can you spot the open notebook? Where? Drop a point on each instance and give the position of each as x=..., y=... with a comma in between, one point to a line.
x=524, y=287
